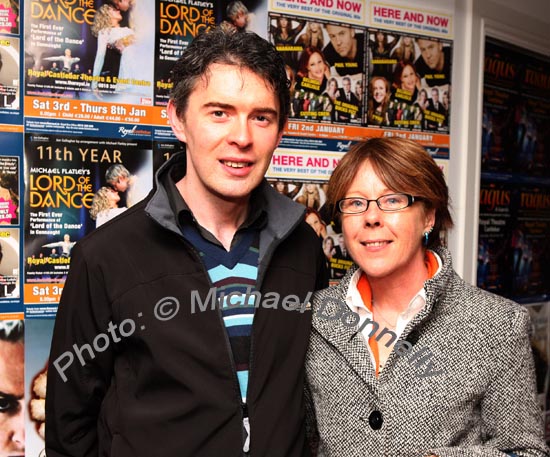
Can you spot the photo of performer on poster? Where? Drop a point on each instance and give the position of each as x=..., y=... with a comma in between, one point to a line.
x=325, y=63
x=109, y=57
x=76, y=184
x=9, y=190
x=409, y=82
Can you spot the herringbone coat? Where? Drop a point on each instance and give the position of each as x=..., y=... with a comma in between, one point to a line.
x=477, y=398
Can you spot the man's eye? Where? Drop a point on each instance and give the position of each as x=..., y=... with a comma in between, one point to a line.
x=218, y=113
x=6, y=405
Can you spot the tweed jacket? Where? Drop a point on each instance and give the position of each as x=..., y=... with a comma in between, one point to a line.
x=462, y=382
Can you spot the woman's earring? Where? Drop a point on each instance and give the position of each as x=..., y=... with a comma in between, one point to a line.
x=426, y=235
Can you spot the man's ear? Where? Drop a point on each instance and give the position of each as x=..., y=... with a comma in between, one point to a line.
x=178, y=126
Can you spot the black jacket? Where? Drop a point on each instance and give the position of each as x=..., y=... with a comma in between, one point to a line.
x=159, y=387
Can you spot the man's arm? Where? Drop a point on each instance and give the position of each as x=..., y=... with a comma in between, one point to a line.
x=77, y=383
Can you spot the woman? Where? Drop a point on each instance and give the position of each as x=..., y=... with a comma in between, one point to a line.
x=312, y=36
x=331, y=93
x=107, y=29
x=404, y=51
x=310, y=196
x=380, y=48
x=405, y=358
x=315, y=221
x=313, y=71
x=405, y=83
x=105, y=205
x=377, y=106
x=284, y=35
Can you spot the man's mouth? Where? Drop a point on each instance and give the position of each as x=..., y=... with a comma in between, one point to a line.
x=236, y=164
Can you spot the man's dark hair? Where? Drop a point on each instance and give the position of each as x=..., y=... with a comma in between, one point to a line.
x=246, y=50
x=12, y=331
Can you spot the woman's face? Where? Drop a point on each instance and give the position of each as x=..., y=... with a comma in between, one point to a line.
x=310, y=188
x=283, y=22
x=113, y=198
x=380, y=37
x=314, y=222
x=422, y=96
x=316, y=66
x=314, y=27
x=384, y=245
x=379, y=91
x=280, y=187
x=408, y=79
x=333, y=85
x=329, y=243
x=407, y=40
x=115, y=15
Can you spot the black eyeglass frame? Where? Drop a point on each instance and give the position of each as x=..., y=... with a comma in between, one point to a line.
x=410, y=200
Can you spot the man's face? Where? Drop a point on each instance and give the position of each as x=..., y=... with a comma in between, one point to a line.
x=122, y=5
x=432, y=53
x=435, y=96
x=122, y=183
x=231, y=128
x=241, y=20
x=12, y=389
x=343, y=40
x=346, y=83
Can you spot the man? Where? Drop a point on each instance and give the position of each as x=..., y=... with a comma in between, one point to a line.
x=12, y=389
x=341, y=260
x=435, y=113
x=434, y=63
x=346, y=50
x=347, y=103
x=167, y=371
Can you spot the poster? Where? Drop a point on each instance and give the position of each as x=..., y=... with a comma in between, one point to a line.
x=515, y=151
x=12, y=369
x=9, y=16
x=325, y=63
x=9, y=190
x=409, y=81
x=74, y=185
x=89, y=58
x=177, y=26
x=37, y=347
x=10, y=99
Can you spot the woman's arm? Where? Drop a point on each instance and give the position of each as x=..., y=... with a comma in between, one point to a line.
x=510, y=413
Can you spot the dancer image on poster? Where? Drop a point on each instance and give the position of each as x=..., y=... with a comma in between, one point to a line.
x=12, y=388
x=66, y=245
x=8, y=283
x=67, y=59
x=240, y=18
x=346, y=50
x=107, y=29
x=119, y=178
x=105, y=205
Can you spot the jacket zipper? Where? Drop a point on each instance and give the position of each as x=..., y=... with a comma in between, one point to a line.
x=243, y=406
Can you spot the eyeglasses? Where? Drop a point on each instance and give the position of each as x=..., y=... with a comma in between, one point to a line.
x=387, y=203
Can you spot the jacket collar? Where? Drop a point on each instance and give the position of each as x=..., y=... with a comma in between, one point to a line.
x=330, y=312
x=283, y=214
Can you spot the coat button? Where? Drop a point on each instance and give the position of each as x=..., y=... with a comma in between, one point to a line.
x=375, y=420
